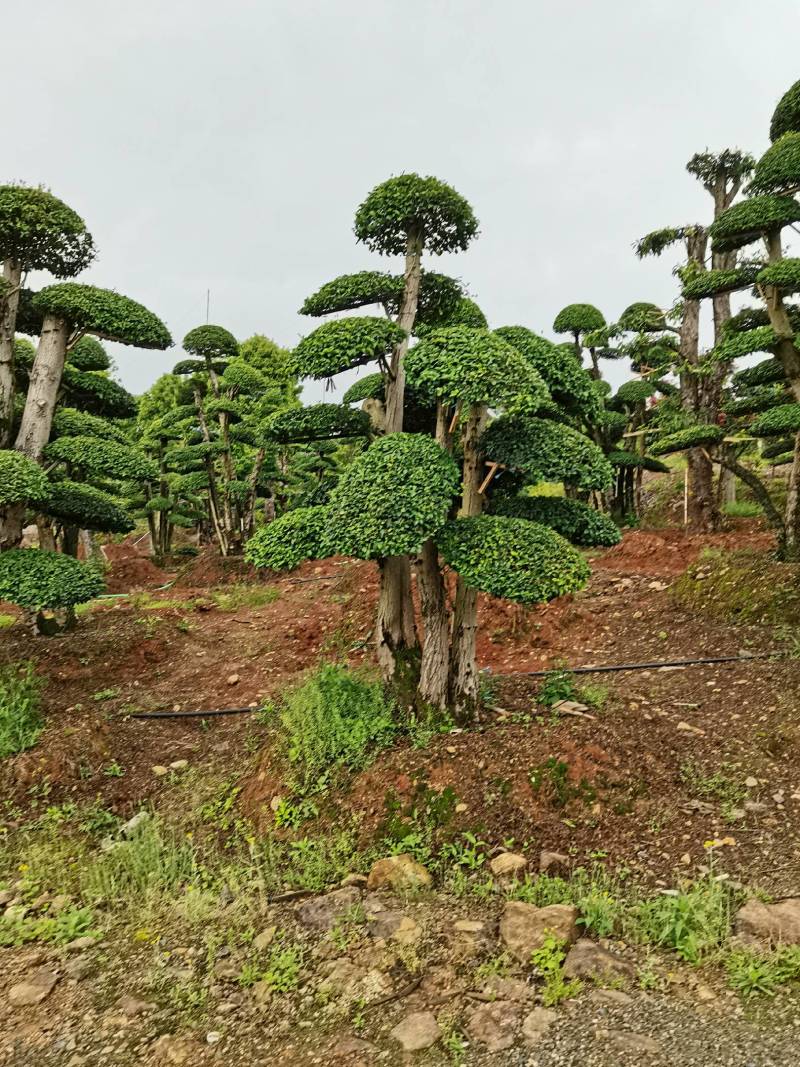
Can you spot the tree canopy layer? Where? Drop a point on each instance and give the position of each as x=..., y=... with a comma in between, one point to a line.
x=408, y=203
x=104, y=313
x=338, y=345
x=39, y=232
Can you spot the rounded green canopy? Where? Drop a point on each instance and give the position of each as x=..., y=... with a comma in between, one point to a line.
x=211, y=343
x=104, y=313
x=39, y=231
x=546, y=452
x=751, y=219
x=37, y=580
x=344, y=343
x=318, y=422
x=579, y=523
x=20, y=478
x=786, y=115
x=88, y=354
x=578, y=318
x=395, y=207
x=289, y=540
x=392, y=498
x=778, y=170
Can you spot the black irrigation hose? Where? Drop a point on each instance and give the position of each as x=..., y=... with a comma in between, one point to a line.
x=528, y=674
x=650, y=666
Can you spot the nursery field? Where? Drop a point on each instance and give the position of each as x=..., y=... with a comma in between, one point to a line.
x=192, y=890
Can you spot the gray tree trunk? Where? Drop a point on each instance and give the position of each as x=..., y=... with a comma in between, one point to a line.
x=434, y=668
x=9, y=303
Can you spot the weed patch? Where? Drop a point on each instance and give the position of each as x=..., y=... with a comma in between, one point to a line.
x=21, y=722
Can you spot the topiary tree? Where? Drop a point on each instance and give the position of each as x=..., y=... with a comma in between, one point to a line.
x=406, y=215
x=37, y=232
x=47, y=582
x=587, y=326
x=68, y=312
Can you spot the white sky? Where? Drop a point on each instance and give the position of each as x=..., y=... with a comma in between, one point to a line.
x=227, y=146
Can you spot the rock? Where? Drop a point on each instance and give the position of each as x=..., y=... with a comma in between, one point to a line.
x=497, y=988
x=60, y=903
x=359, y=880
x=132, y=1006
x=770, y=922
x=536, y=1023
x=265, y=938
x=553, y=863
x=213, y=1037
x=159, y=771
x=132, y=825
x=323, y=912
x=81, y=944
x=508, y=865
x=612, y=998
x=262, y=992
x=399, y=873
x=751, y=782
x=350, y=1046
x=524, y=927
x=396, y=926
x=79, y=968
x=6, y=896
x=495, y=1024
x=342, y=976
x=755, y=807
x=232, y=679
x=37, y=987
x=417, y=1031
x=588, y=960
x=179, y=765
x=703, y=994
x=468, y=926
x=626, y=1041
x=176, y=1050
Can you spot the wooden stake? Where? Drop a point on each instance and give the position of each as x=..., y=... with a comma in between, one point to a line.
x=686, y=496
x=454, y=419
x=492, y=471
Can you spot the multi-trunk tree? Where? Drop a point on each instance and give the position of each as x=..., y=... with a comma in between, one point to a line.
x=407, y=215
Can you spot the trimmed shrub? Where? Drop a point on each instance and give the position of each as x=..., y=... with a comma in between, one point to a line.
x=38, y=580
x=289, y=540
x=579, y=523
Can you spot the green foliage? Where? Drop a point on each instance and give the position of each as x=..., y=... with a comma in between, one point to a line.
x=344, y=343
x=731, y=164
x=461, y=364
x=350, y=291
x=241, y=377
x=195, y=366
x=633, y=393
x=755, y=972
x=735, y=345
x=211, y=343
x=569, y=384
x=39, y=231
x=777, y=421
x=689, y=437
x=409, y=202
x=763, y=373
x=335, y=719
x=37, y=580
x=578, y=318
x=319, y=422
x=21, y=721
x=786, y=115
x=60, y=929
x=548, y=962
x=693, y=922
x=105, y=313
x=20, y=478
x=760, y=399
x=88, y=354
x=703, y=283
x=656, y=242
x=152, y=861
x=556, y=686
x=546, y=452
x=287, y=541
x=750, y=219
x=512, y=558
x=102, y=395
x=573, y=519
x=370, y=387
x=622, y=458
x=87, y=507
x=641, y=317
x=102, y=457
x=465, y=313
x=70, y=422
x=778, y=170
x=392, y=498
x=785, y=274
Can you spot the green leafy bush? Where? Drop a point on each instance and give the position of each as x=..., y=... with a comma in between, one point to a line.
x=102, y=394
x=319, y=422
x=392, y=498
x=573, y=519
x=40, y=232
x=210, y=342
x=689, y=437
x=370, y=387
x=105, y=312
x=704, y=283
x=512, y=558
x=642, y=317
x=69, y=422
x=636, y=391
x=37, y=580
x=764, y=373
x=778, y=170
x=784, y=419
x=786, y=115
x=20, y=717
x=622, y=458
x=444, y=218
x=88, y=354
x=567, y=381
x=577, y=318
x=102, y=457
x=20, y=478
x=344, y=343
x=546, y=452
x=335, y=718
x=87, y=507
x=287, y=541
x=748, y=220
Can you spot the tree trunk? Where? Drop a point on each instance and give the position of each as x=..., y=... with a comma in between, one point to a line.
x=395, y=630
x=703, y=509
x=791, y=522
x=37, y=418
x=69, y=541
x=47, y=540
x=9, y=303
x=463, y=665
x=434, y=668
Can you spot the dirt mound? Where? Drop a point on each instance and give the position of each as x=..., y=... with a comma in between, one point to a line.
x=209, y=569
x=669, y=551
x=130, y=569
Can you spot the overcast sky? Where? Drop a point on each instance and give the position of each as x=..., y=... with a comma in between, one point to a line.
x=226, y=146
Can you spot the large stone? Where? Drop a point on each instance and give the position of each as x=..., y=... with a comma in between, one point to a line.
x=588, y=960
x=770, y=923
x=553, y=863
x=524, y=927
x=417, y=1031
x=37, y=987
x=536, y=1023
x=508, y=865
x=394, y=926
x=399, y=873
x=495, y=1024
x=323, y=912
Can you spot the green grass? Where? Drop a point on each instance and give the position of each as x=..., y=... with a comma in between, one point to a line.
x=21, y=721
x=6, y=621
x=758, y=973
x=236, y=597
x=694, y=921
x=742, y=509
